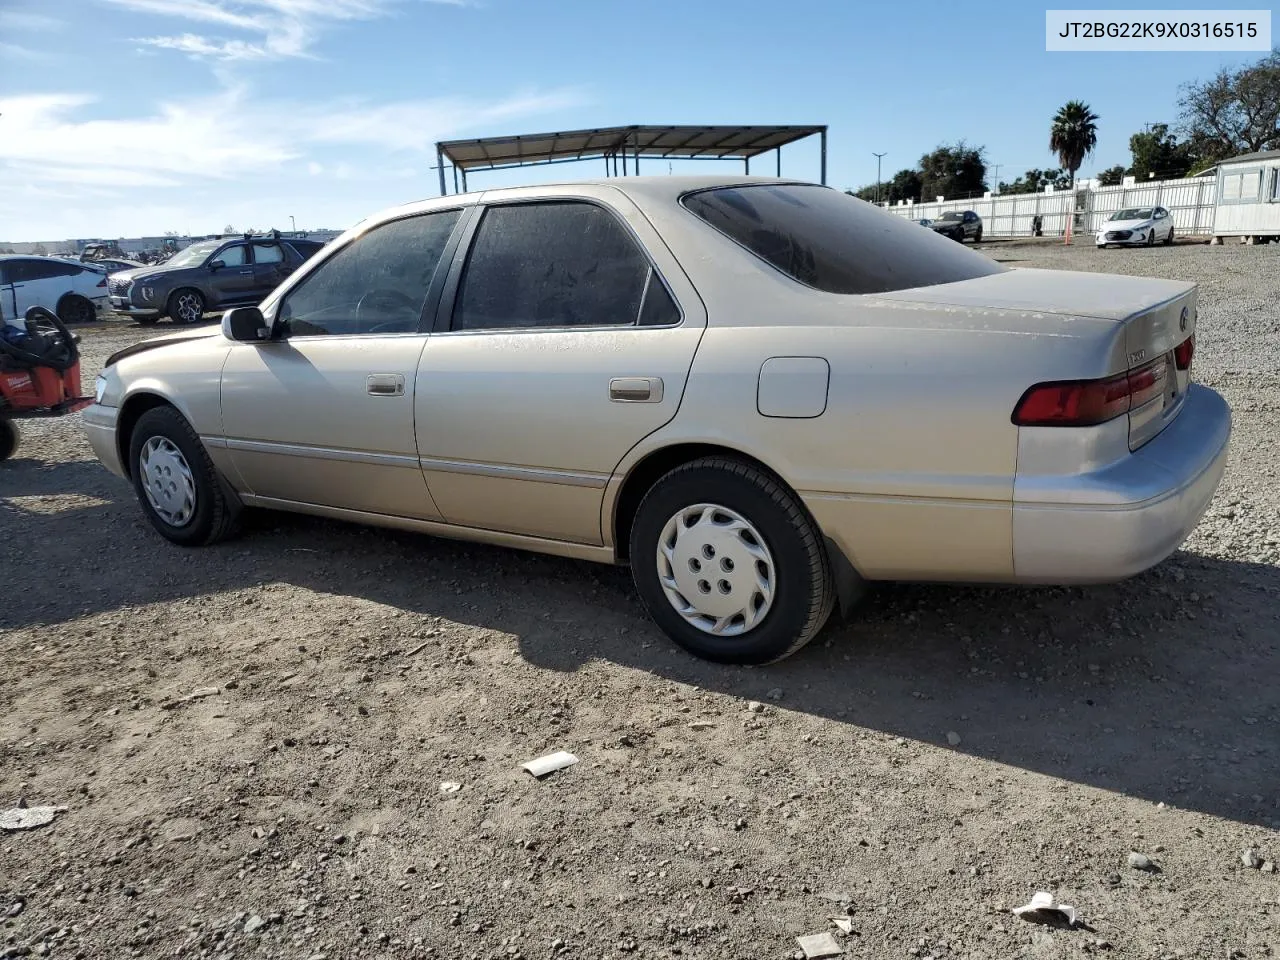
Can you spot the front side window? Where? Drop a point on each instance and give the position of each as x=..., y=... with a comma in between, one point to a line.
x=833, y=242
x=557, y=264
x=267, y=253
x=376, y=284
x=192, y=256
x=232, y=256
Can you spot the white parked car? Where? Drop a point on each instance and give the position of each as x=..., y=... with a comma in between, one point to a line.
x=1135, y=226
x=74, y=291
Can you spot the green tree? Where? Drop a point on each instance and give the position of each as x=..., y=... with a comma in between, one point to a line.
x=1033, y=181
x=1158, y=154
x=1112, y=176
x=1073, y=135
x=227, y=229
x=1237, y=111
x=903, y=185
x=953, y=171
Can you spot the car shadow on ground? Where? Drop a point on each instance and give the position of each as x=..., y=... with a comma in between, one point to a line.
x=1162, y=687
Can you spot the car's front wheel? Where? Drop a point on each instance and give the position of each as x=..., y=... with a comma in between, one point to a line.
x=1168, y=241
x=176, y=482
x=186, y=306
x=977, y=237
x=9, y=438
x=729, y=564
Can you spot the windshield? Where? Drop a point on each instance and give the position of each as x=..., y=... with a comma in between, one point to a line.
x=834, y=242
x=1134, y=213
x=193, y=255
x=952, y=216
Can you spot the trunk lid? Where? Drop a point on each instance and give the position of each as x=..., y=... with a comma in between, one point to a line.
x=1156, y=316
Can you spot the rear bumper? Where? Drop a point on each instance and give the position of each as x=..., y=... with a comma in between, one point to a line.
x=1127, y=516
x=100, y=428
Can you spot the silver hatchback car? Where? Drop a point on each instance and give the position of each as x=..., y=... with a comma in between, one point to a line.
x=760, y=394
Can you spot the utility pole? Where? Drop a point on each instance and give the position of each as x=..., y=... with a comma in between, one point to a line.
x=995, y=185
x=293, y=223
x=878, y=157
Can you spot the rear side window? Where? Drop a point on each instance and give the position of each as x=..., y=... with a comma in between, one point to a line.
x=834, y=242
x=558, y=264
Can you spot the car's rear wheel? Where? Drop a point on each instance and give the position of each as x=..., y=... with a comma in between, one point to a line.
x=1168, y=241
x=74, y=308
x=977, y=237
x=729, y=564
x=186, y=306
x=176, y=482
x=9, y=438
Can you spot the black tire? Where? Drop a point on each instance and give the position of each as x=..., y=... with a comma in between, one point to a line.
x=1151, y=239
x=1168, y=241
x=804, y=591
x=977, y=237
x=9, y=438
x=74, y=308
x=214, y=517
x=186, y=306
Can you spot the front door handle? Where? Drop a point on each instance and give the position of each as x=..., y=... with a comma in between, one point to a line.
x=635, y=390
x=384, y=385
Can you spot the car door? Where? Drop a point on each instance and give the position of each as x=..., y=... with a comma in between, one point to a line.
x=323, y=413
x=559, y=346
x=231, y=278
x=270, y=266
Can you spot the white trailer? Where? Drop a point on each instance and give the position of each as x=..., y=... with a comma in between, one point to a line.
x=1248, y=198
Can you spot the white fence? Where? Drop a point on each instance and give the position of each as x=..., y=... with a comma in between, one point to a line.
x=1190, y=201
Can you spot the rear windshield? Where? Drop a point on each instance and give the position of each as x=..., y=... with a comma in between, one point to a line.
x=833, y=242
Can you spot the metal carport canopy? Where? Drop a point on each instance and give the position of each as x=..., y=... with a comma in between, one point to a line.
x=675, y=142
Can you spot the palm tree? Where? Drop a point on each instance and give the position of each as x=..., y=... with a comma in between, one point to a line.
x=1073, y=135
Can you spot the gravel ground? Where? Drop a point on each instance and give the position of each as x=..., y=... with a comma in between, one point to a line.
x=919, y=770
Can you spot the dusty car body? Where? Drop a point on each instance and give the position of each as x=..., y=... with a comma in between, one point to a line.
x=760, y=394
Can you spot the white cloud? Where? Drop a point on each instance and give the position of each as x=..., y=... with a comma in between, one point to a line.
x=203, y=154
x=277, y=29
x=15, y=20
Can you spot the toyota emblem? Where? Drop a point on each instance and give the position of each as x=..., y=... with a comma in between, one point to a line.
x=1182, y=321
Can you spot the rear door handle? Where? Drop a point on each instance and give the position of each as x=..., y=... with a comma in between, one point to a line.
x=384, y=385
x=635, y=390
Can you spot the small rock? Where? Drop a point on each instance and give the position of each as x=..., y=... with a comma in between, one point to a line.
x=16, y=907
x=1140, y=861
x=755, y=706
x=1251, y=859
x=953, y=738
x=775, y=693
x=254, y=924
x=1268, y=867
x=740, y=824
x=450, y=786
x=363, y=711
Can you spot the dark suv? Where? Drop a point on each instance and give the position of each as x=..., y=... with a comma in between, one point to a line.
x=959, y=226
x=209, y=275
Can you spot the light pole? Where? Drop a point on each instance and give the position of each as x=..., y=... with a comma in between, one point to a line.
x=878, y=157
x=293, y=223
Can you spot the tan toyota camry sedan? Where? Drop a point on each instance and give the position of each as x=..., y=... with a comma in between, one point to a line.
x=760, y=394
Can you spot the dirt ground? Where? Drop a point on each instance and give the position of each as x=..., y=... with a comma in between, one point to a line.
x=920, y=769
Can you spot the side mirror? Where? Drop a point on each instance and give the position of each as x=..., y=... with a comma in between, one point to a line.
x=246, y=325
x=218, y=265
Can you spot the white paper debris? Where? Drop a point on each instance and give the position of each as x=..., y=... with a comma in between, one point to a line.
x=819, y=945
x=843, y=924
x=550, y=763
x=1043, y=907
x=450, y=786
x=26, y=818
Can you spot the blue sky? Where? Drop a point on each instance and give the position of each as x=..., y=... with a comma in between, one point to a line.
x=123, y=117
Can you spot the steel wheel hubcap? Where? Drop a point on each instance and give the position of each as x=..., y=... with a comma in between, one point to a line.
x=167, y=481
x=188, y=309
x=716, y=569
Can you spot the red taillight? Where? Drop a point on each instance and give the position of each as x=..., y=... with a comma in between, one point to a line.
x=1184, y=351
x=1085, y=403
